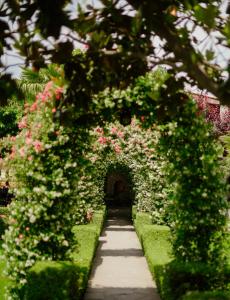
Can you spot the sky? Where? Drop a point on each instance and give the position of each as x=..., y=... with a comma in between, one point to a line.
x=222, y=53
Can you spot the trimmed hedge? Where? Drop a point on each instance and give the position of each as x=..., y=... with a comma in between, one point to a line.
x=174, y=279
x=67, y=280
x=215, y=295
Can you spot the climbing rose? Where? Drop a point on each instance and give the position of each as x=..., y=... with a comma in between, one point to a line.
x=99, y=130
x=58, y=92
x=102, y=140
x=23, y=123
x=22, y=152
x=34, y=107
x=37, y=146
x=120, y=134
x=117, y=149
x=113, y=130
x=28, y=141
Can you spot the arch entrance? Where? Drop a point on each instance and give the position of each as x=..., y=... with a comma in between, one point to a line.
x=117, y=190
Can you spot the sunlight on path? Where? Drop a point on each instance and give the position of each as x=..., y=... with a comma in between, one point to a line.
x=120, y=270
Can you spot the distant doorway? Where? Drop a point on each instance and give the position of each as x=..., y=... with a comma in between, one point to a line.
x=117, y=190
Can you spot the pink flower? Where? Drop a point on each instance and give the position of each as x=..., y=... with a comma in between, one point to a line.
x=23, y=123
x=102, y=140
x=22, y=152
x=29, y=141
x=28, y=134
x=30, y=157
x=37, y=146
x=48, y=86
x=120, y=134
x=20, y=236
x=117, y=148
x=142, y=118
x=54, y=110
x=13, y=138
x=34, y=107
x=86, y=46
x=58, y=92
x=99, y=130
x=113, y=130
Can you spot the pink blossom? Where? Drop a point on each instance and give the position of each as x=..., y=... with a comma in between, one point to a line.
x=37, y=146
x=28, y=134
x=29, y=141
x=13, y=138
x=102, y=140
x=142, y=118
x=120, y=134
x=48, y=86
x=58, y=92
x=34, y=107
x=23, y=123
x=30, y=157
x=86, y=46
x=99, y=130
x=117, y=149
x=54, y=110
x=113, y=130
x=22, y=152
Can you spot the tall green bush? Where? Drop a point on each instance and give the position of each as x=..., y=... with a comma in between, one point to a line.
x=42, y=166
x=199, y=194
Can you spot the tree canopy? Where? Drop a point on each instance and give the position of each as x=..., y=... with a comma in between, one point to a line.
x=122, y=39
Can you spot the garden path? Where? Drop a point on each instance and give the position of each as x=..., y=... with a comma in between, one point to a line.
x=120, y=270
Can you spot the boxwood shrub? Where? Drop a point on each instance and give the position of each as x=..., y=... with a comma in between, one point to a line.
x=60, y=280
x=175, y=279
x=215, y=295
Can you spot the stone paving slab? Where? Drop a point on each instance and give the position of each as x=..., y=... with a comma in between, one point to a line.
x=120, y=270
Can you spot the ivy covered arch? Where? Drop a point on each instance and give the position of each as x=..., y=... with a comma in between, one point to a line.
x=59, y=168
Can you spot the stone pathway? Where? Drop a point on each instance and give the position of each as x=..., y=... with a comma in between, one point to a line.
x=120, y=271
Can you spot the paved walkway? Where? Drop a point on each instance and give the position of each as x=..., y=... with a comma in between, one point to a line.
x=120, y=270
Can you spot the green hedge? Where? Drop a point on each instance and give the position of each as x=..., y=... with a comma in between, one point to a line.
x=215, y=295
x=67, y=280
x=174, y=279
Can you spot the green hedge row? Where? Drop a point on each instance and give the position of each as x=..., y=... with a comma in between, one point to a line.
x=174, y=279
x=67, y=280
x=216, y=295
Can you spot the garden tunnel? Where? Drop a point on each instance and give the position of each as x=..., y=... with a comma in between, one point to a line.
x=118, y=189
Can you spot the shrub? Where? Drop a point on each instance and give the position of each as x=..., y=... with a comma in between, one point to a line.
x=215, y=295
x=67, y=280
x=53, y=280
x=199, y=189
x=181, y=278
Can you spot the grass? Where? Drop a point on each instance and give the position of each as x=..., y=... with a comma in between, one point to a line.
x=4, y=281
x=63, y=280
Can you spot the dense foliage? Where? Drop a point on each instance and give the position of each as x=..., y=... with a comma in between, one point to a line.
x=42, y=172
x=123, y=40
x=199, y=195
